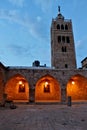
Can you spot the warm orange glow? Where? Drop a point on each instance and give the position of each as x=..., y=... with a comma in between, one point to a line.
x=47, y=90
x=17, y=88
x=46, y=87
x=20, y=82
x=46, y=83
x=76, y=88
x=73, y=82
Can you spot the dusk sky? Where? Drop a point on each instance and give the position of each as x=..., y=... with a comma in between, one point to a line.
x=25, y=29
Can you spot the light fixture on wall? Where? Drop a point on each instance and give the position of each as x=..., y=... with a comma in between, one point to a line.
x=73, y=82
x=46, y=87
x=21, y=86
x=20, y=82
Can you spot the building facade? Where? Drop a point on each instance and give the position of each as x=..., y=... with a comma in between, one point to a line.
x=48, y=84
x=62, y=43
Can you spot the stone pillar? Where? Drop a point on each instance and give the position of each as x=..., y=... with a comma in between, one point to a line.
x=32, y=95
x=69, y=101
x=1, y=91
x=63, y=95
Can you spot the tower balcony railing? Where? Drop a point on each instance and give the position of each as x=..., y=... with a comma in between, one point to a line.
x=65, y=20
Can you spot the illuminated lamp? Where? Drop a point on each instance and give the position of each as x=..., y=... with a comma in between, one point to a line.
x=46, y=83
x=20, y=82
x=46, y=87
x=73, y=82
x=21, y=87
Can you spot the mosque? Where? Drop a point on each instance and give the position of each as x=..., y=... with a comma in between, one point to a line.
x=42, y=84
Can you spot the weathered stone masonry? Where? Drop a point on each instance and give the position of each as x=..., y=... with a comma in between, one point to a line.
x=33, y=75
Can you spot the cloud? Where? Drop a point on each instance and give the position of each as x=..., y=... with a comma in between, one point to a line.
x=82, y=43
x=17, y=2
x=12, y=13
x=34, y=27
x=18, y=50
x=26, y=52
x=8, y=14
x=44, y=4
x=78, y=43
x=38, y=18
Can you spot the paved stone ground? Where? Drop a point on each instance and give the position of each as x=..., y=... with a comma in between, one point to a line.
x=44, y=117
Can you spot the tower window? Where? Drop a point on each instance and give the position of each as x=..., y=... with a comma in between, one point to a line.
x=66, y=66
x=62, y=27
x=63, y=39
x=58, y=26
x=67, y=39
x=59, y=39
x=64, y=49
x=66, y=27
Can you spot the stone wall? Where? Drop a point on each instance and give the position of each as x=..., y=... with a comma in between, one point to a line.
x=2, y=81
x=32, y=75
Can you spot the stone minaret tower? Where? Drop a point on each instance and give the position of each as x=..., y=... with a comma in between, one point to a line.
x=62, y=43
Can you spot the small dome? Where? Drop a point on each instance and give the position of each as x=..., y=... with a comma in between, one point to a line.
x=60, y=16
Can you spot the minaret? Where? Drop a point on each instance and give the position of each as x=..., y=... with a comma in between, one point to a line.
x=62, y=43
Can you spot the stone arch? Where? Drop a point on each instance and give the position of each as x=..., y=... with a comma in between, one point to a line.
x=66, y=27
x=17, y=89
x=62, y=27
x=58, y=26
x=47, y=90
x=77, y=88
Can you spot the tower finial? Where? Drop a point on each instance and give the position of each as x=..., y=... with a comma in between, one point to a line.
x=59, y=9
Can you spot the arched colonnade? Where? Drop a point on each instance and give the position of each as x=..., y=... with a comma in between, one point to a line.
x=47, y=89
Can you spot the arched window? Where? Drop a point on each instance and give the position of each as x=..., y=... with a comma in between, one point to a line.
x=66, y=27
x=66, y=66
x=64, y=49
x=67, y=39
x=58, y=26
x=62, y=27
x=59, y=39
x=63, y=39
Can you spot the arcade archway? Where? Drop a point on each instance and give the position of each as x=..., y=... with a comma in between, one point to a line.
x=47, y=90
x=17, y=89
x=77, y=88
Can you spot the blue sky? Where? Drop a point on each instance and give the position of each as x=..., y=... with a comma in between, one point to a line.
x=25, y=29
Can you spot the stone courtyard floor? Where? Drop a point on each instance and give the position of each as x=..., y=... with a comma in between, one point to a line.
x=44, y=117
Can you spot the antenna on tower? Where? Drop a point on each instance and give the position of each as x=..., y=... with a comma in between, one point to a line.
x=59, y=9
